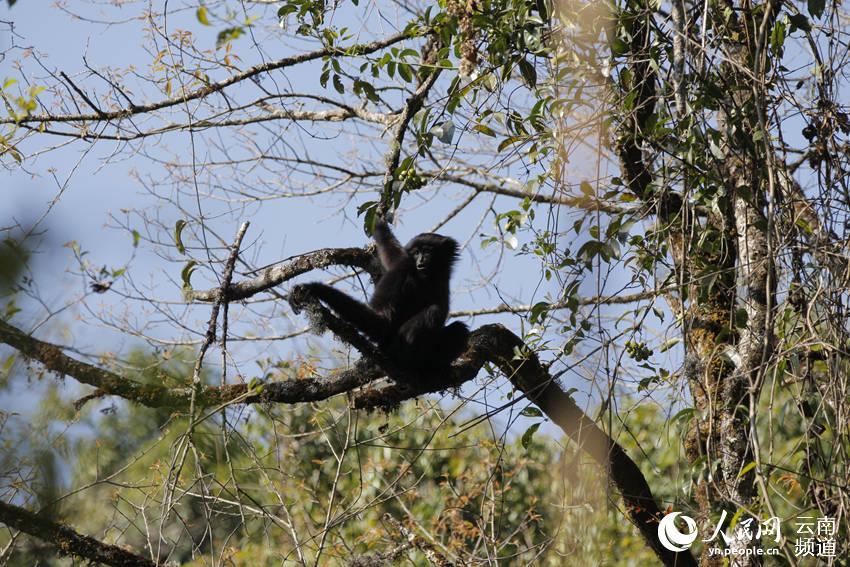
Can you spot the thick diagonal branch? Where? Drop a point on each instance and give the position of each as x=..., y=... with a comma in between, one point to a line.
x=156, y=396
x=498, y=345
x=68, y=541
x=108, y=383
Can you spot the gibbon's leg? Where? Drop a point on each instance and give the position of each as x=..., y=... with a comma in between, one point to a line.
x=418, y=332
x=413, y=343
x=354, y=312
x=453, y=342
x=424, y=342
x=432, y=348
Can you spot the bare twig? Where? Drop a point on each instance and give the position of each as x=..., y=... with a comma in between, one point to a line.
x=420, y=543
x=221, y=297
x=83, y=95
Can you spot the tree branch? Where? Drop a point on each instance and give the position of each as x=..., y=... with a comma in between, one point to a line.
x=273, y=114
x=363, y=259
x=52, y=358
x=593, y=300
x=331, y=115
x=276, y=275
x=411, y=107
x=68, y=541
x=586, y=203
x=497, y=344
x=221, y=298
x=205, y=91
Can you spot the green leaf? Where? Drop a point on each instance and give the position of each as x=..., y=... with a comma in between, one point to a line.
x=178, y=235
x=484, y=129
x=7, y=366
x=619, y=47
x=186, y=273
x=227, y=35
x=528, y=435
x=136, y=238
x=531, y=412
x=367, y=206
x=445, y=132
x=338, y=86
x=202, y=15
x=750, y=466
x=508, y=142
x=777, y=37
x=668, y=344
x=528, y=72
x=538, y=311
x=804, y=224
x=11, y=309
x=684, y=415
x=405, y=72
x=366, y=89
x=285, y=10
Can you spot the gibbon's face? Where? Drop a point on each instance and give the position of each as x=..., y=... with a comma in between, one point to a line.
x=422, y=256
x=432, y=253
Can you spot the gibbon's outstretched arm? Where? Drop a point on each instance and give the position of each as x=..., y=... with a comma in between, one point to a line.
x=390, y=250
x=356, y=313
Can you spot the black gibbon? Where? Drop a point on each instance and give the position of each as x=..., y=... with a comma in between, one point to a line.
x=407, y=313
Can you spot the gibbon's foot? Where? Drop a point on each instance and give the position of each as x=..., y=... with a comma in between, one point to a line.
x=302, y=297
x=297, y=298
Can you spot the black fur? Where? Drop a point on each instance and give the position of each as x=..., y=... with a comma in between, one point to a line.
x=408, y=310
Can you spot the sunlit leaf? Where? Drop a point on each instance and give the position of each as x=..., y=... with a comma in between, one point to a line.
x=529, y=435
x=178, y=235
x=202, y=15
x=186, y=273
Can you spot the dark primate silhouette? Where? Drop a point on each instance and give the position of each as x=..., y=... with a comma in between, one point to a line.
x=407, y=313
